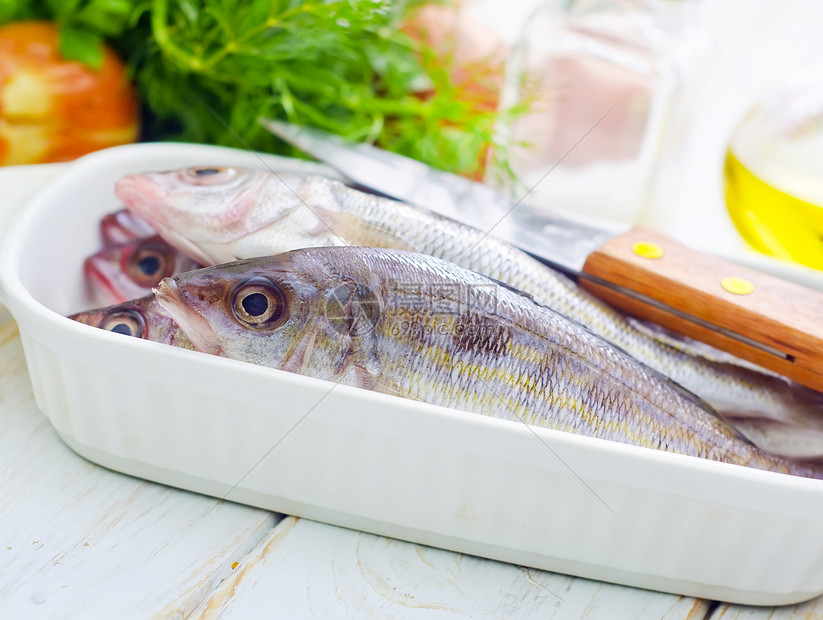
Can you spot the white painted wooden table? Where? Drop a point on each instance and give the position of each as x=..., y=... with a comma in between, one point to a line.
x=79, y=540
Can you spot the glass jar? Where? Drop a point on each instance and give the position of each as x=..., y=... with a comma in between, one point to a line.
x=602, y=78
x=774, y=172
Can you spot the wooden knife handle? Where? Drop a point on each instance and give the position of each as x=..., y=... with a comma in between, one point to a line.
x=783, y=316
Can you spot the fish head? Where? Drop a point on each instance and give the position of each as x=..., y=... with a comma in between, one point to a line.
x=281, y=311
x=199, y=200
x=129, y=270
x=123, y=226
x=139, y=318
x=218, y=214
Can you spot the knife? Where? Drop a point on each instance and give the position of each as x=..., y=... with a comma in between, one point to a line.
x=771, y=322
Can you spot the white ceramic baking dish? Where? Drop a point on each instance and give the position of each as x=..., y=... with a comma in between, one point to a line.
x=288, y=443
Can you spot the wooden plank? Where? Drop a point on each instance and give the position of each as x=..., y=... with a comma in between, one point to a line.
x=82, y=541
x=304, y=568
x=810, y=610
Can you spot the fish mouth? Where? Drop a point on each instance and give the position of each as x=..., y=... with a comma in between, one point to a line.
x=139, y=192
x=182, y=244
x=89, y=317
x=193, y=324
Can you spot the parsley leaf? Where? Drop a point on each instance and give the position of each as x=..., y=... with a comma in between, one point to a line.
x=82, y=45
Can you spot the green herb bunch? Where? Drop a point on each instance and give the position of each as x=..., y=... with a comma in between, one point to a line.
x=206, y=70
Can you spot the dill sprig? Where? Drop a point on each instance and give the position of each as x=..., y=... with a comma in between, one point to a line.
x=345, y=66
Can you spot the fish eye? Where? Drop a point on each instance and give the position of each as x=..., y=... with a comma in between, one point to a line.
x=128, y=322
x=209, y=175
x=149, y=263
x=258, y=303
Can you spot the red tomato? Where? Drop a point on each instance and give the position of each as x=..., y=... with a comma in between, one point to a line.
x=52, y=109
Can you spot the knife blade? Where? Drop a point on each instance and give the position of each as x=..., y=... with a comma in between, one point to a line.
x=766, y=320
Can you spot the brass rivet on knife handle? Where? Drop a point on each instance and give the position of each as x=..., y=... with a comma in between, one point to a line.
x=737, y=286
x=647, y=249
x=774, y=323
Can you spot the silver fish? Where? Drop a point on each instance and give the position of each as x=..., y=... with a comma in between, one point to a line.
x=416, y=326
x=217, y=214
x=129, y=270
x=123, y=226
x=140, y=318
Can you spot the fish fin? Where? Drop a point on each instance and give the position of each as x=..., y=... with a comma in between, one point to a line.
x=522, y=293
x=330, y=225
x=366, y=379
x=326, y=222
x=300, y=351
x=781, y=439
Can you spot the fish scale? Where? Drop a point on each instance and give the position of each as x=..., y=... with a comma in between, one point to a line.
x=590, y=387
x=291, y=204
